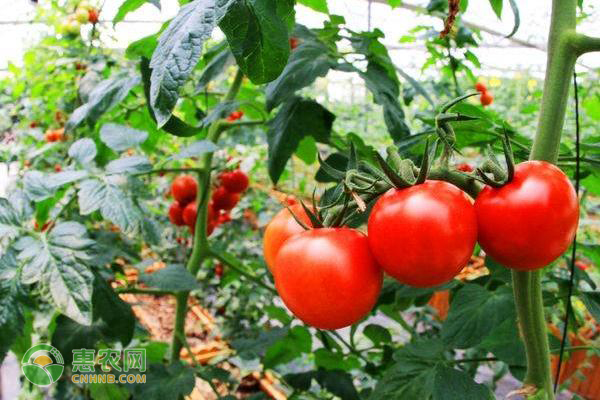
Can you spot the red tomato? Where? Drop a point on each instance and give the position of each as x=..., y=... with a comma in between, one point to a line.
x=219, y=270
x=328, y=277
x=281, y=228
x=486, y=99
x=93, y=16
x=184, y=189
x=532, y=220
x=465, y=167
x=224, y=218
x=582, y=265
x=235, y=181
x=176, y=214
x=57, y=168
x=293, y=42
x=189, y=214
x=223, y=199
x=480, y=87
x=423, y=235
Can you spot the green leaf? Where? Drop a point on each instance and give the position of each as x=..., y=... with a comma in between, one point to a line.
x=215, y=67
x=333, y=360
x=174, y=125
x=120, y=137
x=413, y=373
x=128, y=165
x=317, y=5
x=592, y=303
x=296, y=119
x=497, y=7
x=105, y=96
x=174, y=277
x=143, y=47
x=339, y=383
x=377, y=334
x=310, y=60
x=108, y=391
x=84, y=151
x=132, y=5
x=307, y=150
x=117, y=316
x=504, y=343
x=253, y=344
x=385, y=93
x=297, y=341
x=169, y=382
x=474, y=312
x=196, y=149
x=178, y=51
x=11, y=310
x=452, y=384
x=69, y=335
x=10, y=221
x=113, y=203
x=258, y=37
x=300, y=381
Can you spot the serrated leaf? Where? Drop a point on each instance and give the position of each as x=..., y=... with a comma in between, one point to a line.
x=178, y=51
x=105, y=96
x=339, y=383
x=113, y=203
x=310, y=60
x=129, y=165
x=118, y=318
x=452, y=384
x=297, y=341
x=36, y=186
x=412, y=375
x=474, y=312
x=257, y=34
x=296, y=119
x=196, y=149
x=121, y=137
x=84, y=150
x=169, y=382
x=174, y=277
x=10, y=222
x=132, y=5
x=54, y=181
x=11, y=310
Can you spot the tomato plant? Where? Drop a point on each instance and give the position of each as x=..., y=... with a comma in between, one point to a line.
x=141, y=196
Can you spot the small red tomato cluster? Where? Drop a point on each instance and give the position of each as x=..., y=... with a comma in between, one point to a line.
x=183, y=211
x=422, y=236
x=234, y=116
x=486, y=97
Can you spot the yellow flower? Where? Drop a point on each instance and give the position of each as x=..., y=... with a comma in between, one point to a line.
x=531, y=84
x=495, y=82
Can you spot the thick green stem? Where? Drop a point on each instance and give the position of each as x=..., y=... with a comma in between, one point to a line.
x=200, y=249
x=564, y=46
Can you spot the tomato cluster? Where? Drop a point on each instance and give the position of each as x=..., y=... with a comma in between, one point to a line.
x=294, y=42
x=184, y=210
x=486, y=97
x=422, y=236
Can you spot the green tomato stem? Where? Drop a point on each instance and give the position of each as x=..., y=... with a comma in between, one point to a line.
x=200, y=249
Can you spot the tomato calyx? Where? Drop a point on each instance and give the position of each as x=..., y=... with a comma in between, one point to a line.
x=493, y=166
